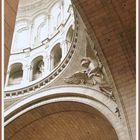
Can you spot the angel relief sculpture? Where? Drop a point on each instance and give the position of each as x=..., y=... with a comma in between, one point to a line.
x=91, y=75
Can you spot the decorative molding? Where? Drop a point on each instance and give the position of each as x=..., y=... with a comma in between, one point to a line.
x=92, y=75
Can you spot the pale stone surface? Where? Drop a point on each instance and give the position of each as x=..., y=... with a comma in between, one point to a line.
x=73, y=66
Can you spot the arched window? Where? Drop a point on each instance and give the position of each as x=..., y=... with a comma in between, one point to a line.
x=55, y=16
x=33, y=37
x=56, y=55
x=38, y=27
x=22, y=39
x=37, y=68
x=69, y=37
x=43, y=32
x=21, y=36
x=16, y=74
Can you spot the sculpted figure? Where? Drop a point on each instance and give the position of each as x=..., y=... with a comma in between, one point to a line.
x=92, y=75
x=77, y=78
x=96, y=75
x=92, y=70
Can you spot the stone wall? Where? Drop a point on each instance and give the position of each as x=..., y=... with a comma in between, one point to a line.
x=112, y=23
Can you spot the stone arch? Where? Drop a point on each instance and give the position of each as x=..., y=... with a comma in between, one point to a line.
x=37, y=22
x=42, y=31
x=21, y=35
x=15, y=74
x=92, y=98
x=56, y=55
x=37, y=68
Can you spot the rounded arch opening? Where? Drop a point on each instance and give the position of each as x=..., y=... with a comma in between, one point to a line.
x=43, y=31
x=38, y=23
x=69, y=37
x=37, y=68
x=56, y=55
x=56, y=14
x=16, y=74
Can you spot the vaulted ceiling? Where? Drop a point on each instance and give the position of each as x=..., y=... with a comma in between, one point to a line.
x=61, y=121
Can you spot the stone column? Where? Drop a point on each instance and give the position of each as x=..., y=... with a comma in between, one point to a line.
x=26, y=74
x=48, y=18
x=31, y=73
x=31, y=35
x=64, y=48
x=51, y=63
x=46, y=65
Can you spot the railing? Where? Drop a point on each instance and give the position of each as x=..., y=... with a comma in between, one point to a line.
x=53, y=74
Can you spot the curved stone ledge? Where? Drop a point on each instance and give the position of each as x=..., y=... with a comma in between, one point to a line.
x=91, y=97
x=63, y=91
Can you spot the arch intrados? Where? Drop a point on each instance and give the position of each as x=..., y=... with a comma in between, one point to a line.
x=70, y=31
x=66, y=108
x=92, y=98
x=16, y=66
x=37, y=16
x=55, y=47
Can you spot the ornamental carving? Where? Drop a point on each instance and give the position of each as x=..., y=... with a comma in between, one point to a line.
x=92, y=75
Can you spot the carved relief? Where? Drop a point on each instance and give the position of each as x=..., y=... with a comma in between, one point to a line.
x=92, y=75
x=77, y=78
